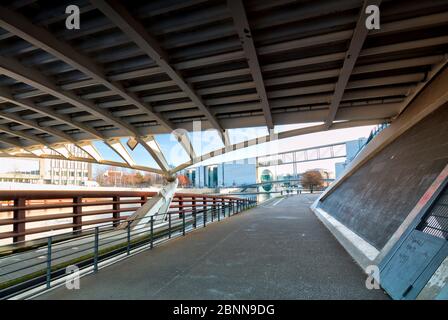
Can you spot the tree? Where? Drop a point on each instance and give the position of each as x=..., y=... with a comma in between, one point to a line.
x=139, y=179
x=183, y=180
x=311, y=180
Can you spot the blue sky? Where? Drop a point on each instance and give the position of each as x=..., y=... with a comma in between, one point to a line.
x=207, y=141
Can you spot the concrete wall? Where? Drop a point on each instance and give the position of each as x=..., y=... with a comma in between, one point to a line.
x=374, y=200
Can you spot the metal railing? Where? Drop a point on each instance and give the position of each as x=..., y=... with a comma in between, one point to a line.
x=45, y=261
x=74, y=210
x=373, y=133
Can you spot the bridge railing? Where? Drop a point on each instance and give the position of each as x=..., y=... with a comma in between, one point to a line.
x=30, y=215
x=45, y=262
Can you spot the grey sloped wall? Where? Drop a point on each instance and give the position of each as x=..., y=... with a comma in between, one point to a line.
x=375, y=200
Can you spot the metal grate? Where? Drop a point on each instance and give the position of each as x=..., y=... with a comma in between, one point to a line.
x=436, y=221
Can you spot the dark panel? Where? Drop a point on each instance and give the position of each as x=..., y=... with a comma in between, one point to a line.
x=375, y=200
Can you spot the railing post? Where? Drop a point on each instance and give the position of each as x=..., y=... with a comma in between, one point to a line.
x=213, y=208
x=204, y=208
x=193, y=206
x=183, y=224
x=152, y=232
x=181, y=206
x=116, y=210
x=95, y=250
x=77, y=214
x=169, y=225
x=223, y=207
x=19, y=215
x=128, y=249
x=49, y=245
x=219, y=209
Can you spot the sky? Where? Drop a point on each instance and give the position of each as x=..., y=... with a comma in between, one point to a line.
x=207, y=141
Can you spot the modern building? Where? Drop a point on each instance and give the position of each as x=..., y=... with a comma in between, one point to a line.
x=47, y=171
x=227, y=174
x=64, y=172
x=352, y=149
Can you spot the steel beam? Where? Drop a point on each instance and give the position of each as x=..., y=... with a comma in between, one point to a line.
x=358, y=38
x=5, y=153
x=12, y=68
x=153, y=148
x=41, y=38
x=120, y=149
x=15, y=70
x=242, y=26
x=269, y=138
x=434, y=71
x=90, y=149
x=46, y=111
x=12, y=143
x=185, y=142
x=118, y=14
x=32, y=138
x=35, y=125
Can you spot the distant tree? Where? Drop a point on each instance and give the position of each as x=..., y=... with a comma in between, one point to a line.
x=312, y=180
x=113, y=176
x=139, y=178
x=183, y=180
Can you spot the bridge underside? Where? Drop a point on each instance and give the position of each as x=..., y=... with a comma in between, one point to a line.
x=151, y=68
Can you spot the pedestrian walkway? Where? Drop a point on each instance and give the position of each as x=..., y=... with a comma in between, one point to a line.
x=275, y=251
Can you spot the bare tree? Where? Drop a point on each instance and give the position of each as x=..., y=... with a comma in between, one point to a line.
x=312, y=180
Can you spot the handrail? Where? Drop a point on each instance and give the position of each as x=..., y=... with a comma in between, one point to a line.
x=373, y=133
x=56, y=194
x=24, y=204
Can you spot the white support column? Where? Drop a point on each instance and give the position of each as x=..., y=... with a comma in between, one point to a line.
x=185, y=142
x=151, y=145
x=120, y=149
x=62, y=149
x=91, y=150
x=157, y=205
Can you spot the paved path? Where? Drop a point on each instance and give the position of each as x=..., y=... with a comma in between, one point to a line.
x=276, y=251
